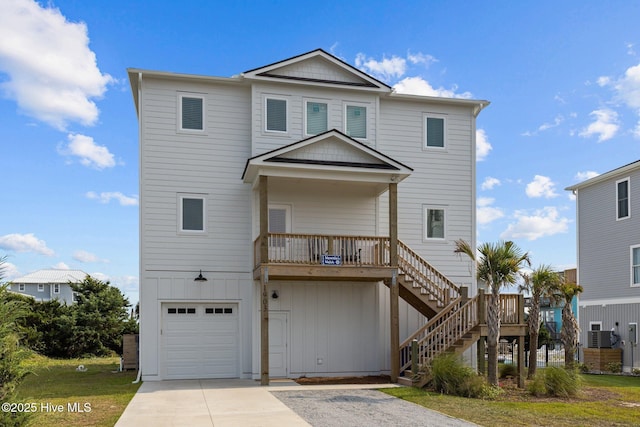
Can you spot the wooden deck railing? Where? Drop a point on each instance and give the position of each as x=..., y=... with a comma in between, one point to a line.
x=426, y=276
x=308, y=249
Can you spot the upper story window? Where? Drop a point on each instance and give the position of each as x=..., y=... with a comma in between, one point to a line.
x=356, y=121
x=276, y=115
x=434, y=223
x=317, y=119
x=434, y=131
x=40, y=287
x=191, y=108
x=622, y=197
x=635, y=265
x=56, y=288
x=191, y=213
x=21, y=287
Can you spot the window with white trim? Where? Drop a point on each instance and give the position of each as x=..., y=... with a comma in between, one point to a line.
x=40, y=287
x=316, y=117
x=191, y=112
x=434, y=222
x=56, y=288
x=191, y=213
x=21, y=287
x=356, y=121
x=635, y=265
x=435, y=131
x=622, y=199
x=275, y=115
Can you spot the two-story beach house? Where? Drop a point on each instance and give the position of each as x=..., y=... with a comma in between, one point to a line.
x=608, y=238
x=299, y=219
x=49, y=284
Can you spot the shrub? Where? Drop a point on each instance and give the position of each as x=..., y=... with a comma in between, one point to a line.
x=614, y=367
x=451, y=376
x=554, y=381
x=635, y=371
x=536, y=387
x=508, y=371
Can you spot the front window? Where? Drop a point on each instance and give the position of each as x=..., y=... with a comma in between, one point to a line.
x=622, y=197
x=435, y=223
x=434, y=132
x=40, y=287
x=191, y=112
x=635, y=265
x=276, y=115
x=56, y=288
x=316, y=118
x=21, y=287
x=356, y=121
x=192, y=213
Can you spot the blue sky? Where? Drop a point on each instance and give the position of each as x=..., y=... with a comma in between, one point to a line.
x=563, y=79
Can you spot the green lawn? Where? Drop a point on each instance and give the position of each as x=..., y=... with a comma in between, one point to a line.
x=604, y=400
x=65, y=397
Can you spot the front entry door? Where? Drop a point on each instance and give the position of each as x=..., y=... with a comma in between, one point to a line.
x=278, y=344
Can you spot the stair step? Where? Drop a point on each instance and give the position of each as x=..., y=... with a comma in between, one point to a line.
x=406, y=381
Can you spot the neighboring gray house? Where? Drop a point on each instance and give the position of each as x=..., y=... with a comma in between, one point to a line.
x=291, y=193
x=45, y=285
x=608, y=234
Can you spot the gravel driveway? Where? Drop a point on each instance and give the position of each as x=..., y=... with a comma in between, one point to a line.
x=370, y=408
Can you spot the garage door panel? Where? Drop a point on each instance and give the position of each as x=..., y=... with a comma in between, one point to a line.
x=200, y=340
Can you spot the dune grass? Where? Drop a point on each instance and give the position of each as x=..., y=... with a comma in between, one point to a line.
x=604, y=400
x=65, y=397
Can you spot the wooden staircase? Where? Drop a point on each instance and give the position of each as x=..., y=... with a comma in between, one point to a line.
x=453, y=324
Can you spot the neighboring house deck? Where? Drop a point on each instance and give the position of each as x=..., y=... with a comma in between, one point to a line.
x=608, y=230
x=49, y=284
x=322, y=209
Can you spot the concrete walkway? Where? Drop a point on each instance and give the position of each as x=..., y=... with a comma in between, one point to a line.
x=234, y=402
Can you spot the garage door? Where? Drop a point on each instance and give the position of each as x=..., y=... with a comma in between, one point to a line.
x=200, y=341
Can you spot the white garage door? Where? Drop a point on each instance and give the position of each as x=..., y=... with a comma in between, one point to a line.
x=200, y=340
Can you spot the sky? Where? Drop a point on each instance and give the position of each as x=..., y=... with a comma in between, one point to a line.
x=563, y=79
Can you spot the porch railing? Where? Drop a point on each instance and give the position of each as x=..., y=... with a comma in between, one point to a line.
x=308, y=249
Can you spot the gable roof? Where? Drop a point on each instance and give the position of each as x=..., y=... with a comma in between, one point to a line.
x=329, y=151
x=52, y=276
x=317, y=67
x=631, y=167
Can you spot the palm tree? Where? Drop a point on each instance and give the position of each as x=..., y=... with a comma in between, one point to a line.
x=497, y=265
x=542, y=282
x=570, y=328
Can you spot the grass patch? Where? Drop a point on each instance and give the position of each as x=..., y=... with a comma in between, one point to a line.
x=101, y=392
x=603, y=400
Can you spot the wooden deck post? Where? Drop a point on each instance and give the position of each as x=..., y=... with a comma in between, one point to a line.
x=394, y=289
x=482, y=319
x=521, y=338
x=264, y=281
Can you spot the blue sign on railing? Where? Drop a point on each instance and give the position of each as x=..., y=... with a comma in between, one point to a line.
x=331, y=259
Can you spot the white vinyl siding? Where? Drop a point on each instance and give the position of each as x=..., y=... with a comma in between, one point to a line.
x=635, y=265
x=316, y=117
x=356, y=121
x=435, y=131
x=435, y=225
x=276, y=115
x=622, y=199
x=192, y=213
x=191, y=112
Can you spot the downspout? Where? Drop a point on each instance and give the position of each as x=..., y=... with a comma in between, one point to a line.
x=140, y=346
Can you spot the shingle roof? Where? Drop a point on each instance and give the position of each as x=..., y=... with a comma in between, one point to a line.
x=52, y=276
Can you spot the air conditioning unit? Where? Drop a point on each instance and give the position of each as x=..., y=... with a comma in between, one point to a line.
x=599, y=339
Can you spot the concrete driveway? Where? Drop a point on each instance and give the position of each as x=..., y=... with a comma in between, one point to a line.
x=245, y=403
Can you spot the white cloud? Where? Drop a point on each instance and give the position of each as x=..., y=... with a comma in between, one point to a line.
x=583, y=176
x=84, y=256
x=9, y=272
x=419, y=86
x=421, y=58
x=106, y=197
x=52, y=73
x=482, y=145
x=90, y=153
x=543, y=222
x=387, y=69
x=25, y=243
x=485, y=213
x=541, y=186
x=605, y=126
x=489, y=183
x=628, y=88
x=61, y=266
